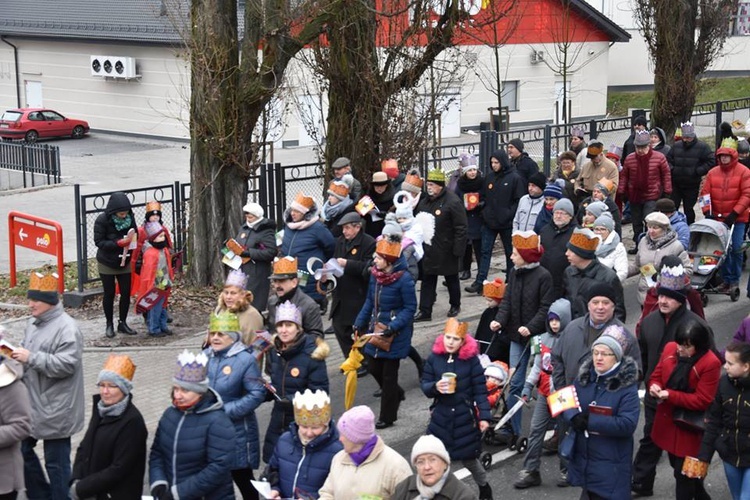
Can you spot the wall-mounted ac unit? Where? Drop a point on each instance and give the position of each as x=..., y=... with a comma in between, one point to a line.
x=113, y=66
x=537, y=56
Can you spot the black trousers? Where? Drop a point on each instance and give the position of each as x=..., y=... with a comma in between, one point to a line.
x=687, y=195
x=638, y=212
x=242, y=478
x=9, y=496
x=476, y=247
x=686, y=488
x=427, y=294
x=108, y=300
x=648, y=455
x=385, y=372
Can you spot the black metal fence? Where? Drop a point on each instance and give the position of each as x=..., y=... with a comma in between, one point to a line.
x=29, y=165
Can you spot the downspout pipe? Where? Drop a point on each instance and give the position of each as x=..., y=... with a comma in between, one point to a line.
x=18, y=74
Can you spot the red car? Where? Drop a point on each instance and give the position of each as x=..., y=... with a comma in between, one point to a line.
x=34, y=123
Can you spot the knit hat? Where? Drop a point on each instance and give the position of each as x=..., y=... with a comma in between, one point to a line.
x=671, y=281
x=437, y=176
x=312, y=408
x=583, y=242
x=538, y=179
x=392, y=230
x=413, y=182
x=611, y=342
x=605, y=185
x=528, y=245
x=659, y=219
x=601, y=289
x=255, y=209
x=688, y=129
x=577, y=132
x=614, y=152
x=379, y=179
x=119, y=370
x=350, y=218
x=390, y=167
x=288, y=311
x=225, y=322
x=153, y=229
x=665, y=205
x=597, y=208
x=303, y=203
x=516, y=143
x=357, y=424
x=429, y=444
x=457, y=328
x=497, y=370
x=640, y=120
x=594, y=149
x=403, y=202
x=468, y=162
x=236, y=278
x=494, y=289
x=743, y=146
x=341, y=163
x=605, y=220
x=642, y=138
x=565, y=205
x=192, y=372
x=284, y=268
x=552, y=190
x=43, y=287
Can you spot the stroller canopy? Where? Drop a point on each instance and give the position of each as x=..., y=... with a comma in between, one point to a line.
x=709, y=227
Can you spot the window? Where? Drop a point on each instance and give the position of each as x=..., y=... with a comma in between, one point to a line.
x=509, y=95
x=741, y=25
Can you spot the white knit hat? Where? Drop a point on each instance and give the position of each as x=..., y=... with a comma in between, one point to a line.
x=429, y=444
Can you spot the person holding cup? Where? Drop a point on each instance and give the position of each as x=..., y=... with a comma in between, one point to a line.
x=454, y=378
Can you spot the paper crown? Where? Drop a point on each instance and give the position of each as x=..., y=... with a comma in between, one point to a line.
x=606, y=184
x=466, y=159
x=43, y=282
x=642, y=138
x=585, y=239
x=236, y=278
x=284, y=267
x=191, y=368
x=525, y=240
x=303, y=203
x=413, y=182
x=153, y=206
x=687, y=128
x=672, y=278
x=288, y=312
x=730, y=143
x=594, y=149
x=389, y=250
x=494, y=289
x=577, y=132
x=614, y=150
x=436, y=175
x=455, y=327
x=224, y=321
x=339, y=189
x=120, y=364
x=312, y=408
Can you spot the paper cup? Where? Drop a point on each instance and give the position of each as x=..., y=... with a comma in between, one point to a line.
x=450, y=377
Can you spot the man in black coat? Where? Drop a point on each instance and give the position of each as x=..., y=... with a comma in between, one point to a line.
x=555, y=237
x=443, y=255
x=525, y=166
x=690, y=159
x=285, y=285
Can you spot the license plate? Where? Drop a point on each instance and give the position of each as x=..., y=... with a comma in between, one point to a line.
x=3, y=125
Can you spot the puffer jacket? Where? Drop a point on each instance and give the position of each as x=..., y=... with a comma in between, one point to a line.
x=527, y=212
x=728, y=423
x=235, y=376
x=15, y=425
x=658, y=178
x=295, y=465
x=729, y=187
x=260, y=245
x=652, y=252
x=602, y=459
x=555, y=240
x=54, y=374
x=679, y=224
x=453, y=489
x=442, y=256
x=106, y=234
x=193, y=451
x=501, y=192
x=690, y=162
x=527, y=298
x=396, y=305
x=455, y=417
x=576, y=283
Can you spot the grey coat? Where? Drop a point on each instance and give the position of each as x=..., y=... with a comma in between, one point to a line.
x=54, y=374
x=15, y=425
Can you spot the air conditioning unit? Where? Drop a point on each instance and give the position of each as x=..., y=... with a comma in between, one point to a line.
x=113, y=66
x=537, y=56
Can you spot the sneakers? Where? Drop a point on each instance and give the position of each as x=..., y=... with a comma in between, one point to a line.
x=562, y=481
x=485, y=492
x=474, y=288
x=527, y=479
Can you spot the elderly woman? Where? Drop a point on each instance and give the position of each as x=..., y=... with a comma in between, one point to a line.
x=433, y=478
x=366, y=467
x=611, y=252
x=302, y=458
x=234, y=375
x=685, y=380
x=111, y=459
x=258, y=238
x=234, y=298
x=193, y=449
x=658, y=241
x=15, y=426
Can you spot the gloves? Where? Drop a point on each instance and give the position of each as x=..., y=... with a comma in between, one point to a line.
x=388, y=333
x=526, y=393
x=580, y=422
x=730, y=219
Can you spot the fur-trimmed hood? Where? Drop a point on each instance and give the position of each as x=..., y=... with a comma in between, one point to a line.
x=468, y=349
x=626, y=374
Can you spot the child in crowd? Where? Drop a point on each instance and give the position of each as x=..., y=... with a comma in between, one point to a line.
x=496, y=376
x=156, y=277
x=496, y=347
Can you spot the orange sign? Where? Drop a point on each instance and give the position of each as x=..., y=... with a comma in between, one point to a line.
x=35, y=233
x=41, y=239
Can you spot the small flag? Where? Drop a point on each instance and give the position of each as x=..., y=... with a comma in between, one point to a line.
x=705, y=200
x=150, y=299
x=562, y=400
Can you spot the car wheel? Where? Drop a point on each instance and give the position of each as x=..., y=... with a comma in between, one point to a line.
x=32, y=136
x=78, y=132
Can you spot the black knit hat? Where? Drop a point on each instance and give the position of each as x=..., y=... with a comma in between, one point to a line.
x=517, y=143
x=538, y=180
x=601, y=289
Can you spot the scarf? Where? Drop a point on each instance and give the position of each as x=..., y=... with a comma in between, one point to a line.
x=303, y=224
x=427, y=492
x=114, y=410
x=358, y=457
x=640, y=186
x=383, y=201
x=122, y=224
x=251, y=225
x=467, y=185
x=662, y=240
x=679, y=380
x=609, y=245
x=383, y=278
x=330, y=212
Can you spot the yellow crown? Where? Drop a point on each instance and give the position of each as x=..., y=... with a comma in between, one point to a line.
x=729, y=143
x=225, y=321
x=494, y=289
x=153, y=206
x=120, y=364
x=312, y=408
x=43, y=282
x=389, y=250
x=285, y=265
x=456, y=327
x=524, y=240
x=436, y=175
x=582, y=241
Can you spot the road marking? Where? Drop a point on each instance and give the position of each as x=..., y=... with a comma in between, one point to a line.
x=498, y=457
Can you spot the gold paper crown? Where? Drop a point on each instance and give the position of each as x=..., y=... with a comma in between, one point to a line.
x=305, y=201
x=456, y=327
x=225, y=321
x=729, y=143
x=389, y=250
x=494, y=289
x=436, y=175
x=285, y=265
x=579, y=239
x=43, y=282
x=338, y=188
x=312, y=408
x=120, y=364
x=607, y=184
x=524, y=240
x=414, y=180
x=153, y=206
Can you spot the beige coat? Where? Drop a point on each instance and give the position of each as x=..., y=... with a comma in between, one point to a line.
x=15, y=425
x=652, y=253
x=379, y=475
x=590, y=175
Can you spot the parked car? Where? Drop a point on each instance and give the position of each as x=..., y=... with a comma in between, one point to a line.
x=34, y=123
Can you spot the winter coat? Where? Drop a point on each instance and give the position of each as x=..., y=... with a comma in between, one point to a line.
x=300, y=366
x=729, y=188
x=543, y=218
x=453, y=489
x=474, y=218
x=312, y=322
x=679, y=224
x=396, y=306
x=136, y=255
x=573, y=348
x=496, y=346
x=658, y=180
x=157, y=265
x=525, y=166
x=375, y=219
x=443, y=255
x=111, y=459
x=703, y=381
x=260, y=245
x=728, y=424
x=15, y=425
x=528, y=295
x=193, y=451
x=332, y=224
x=555, y=242
x=540, y=373
x=501, y=193
x=591, y=174
x=351, y=288
x=602, y=460
x=235, y=376
x=454, y=418
x=568, y=182
x=54, y=374
x=694, y=303
x=690, y=162
x=662, y=147
x=106, y=234
x=611, y=208
x=652, y=252
x=294, y=465
x=616, y=257
x=527, y=212
x=577, y=282
x=378, y=475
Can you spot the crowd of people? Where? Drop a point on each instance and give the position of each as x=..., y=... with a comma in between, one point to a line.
x=554, y=322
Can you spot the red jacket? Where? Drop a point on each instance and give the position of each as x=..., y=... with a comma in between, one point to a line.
x=729, y=187
x=645, y=186
x=147, y=278
x=704, y=380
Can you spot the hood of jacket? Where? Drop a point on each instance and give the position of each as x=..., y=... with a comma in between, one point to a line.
x=118, y=202
x=468, y=349
x=561, y=307
x=626, y=374
x=660, y=133
x=312, y=215
x=727, y=151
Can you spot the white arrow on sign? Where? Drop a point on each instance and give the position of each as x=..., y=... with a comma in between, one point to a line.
x=21, y=234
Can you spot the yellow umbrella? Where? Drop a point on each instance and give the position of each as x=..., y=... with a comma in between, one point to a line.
x=350, y=367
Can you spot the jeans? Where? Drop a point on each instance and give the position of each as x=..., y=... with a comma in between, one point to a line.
x=519, y=359
x=738, y=480
x=157, y=317
x=57, y=464
x=428, y=295
x=648, y=455
x=731, y=271
x=540, y=419
x=488, y=243
x=477, y=471
x=638, y=212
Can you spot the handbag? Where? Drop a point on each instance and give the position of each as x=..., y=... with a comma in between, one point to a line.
x=689, y=420
x=379, y=341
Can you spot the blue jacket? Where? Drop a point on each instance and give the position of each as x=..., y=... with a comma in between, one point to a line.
x=454, y=419
x=397, y=304
x=234, y=374
x=193, y=451
x=680, y=226
x=602, y=461
x=294, y=465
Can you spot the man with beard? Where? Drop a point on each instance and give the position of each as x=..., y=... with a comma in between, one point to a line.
x=284, y=283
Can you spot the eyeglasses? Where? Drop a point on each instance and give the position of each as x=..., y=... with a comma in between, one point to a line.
x=601, y=354
x=431, y=461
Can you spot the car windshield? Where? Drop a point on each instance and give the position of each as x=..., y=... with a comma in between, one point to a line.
x=11, y=116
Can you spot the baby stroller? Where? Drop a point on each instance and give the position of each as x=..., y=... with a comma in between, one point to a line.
x=708, y=247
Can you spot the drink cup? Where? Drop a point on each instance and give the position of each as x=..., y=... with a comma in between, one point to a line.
x=450, y=377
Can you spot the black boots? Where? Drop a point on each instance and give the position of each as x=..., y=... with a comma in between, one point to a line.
x=110, y=331
x=485, y=492
x=123, y=327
